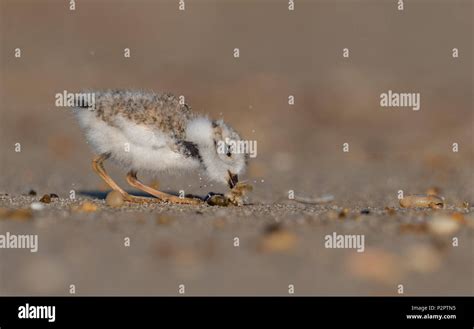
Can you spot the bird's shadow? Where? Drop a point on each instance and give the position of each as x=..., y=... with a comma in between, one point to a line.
x=101, y=195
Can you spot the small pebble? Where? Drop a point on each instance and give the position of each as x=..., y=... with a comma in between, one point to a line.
x=218, y=200
x=272, y=228
x=46, y=198
x=114, y=199
x=32, y=193
x=422, y=201
x=443, y=226
x=343, y=213
x=323, y=199
x=37, y=206
x=86, y=207
x=54, y=196
x=277, y=239
x=365, y=211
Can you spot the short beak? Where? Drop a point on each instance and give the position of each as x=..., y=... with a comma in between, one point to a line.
x=233, y=179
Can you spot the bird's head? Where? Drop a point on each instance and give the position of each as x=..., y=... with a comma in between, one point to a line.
x=223, y=160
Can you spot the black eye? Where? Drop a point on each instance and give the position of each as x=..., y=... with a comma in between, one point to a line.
x=229, y=154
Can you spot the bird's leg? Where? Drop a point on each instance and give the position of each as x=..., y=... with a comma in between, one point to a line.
x=133, y=181
x=98, y=166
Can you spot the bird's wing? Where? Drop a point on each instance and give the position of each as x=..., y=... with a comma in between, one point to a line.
x=188, y=149
x=143, y=135
x=158, y=111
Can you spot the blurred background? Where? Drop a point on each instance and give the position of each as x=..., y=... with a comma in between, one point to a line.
x=282, y=53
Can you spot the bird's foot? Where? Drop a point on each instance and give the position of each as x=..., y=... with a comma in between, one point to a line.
x=178, y=200
x=162, y=196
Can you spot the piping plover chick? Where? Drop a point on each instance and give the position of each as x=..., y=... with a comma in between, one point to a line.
x=151, y=132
